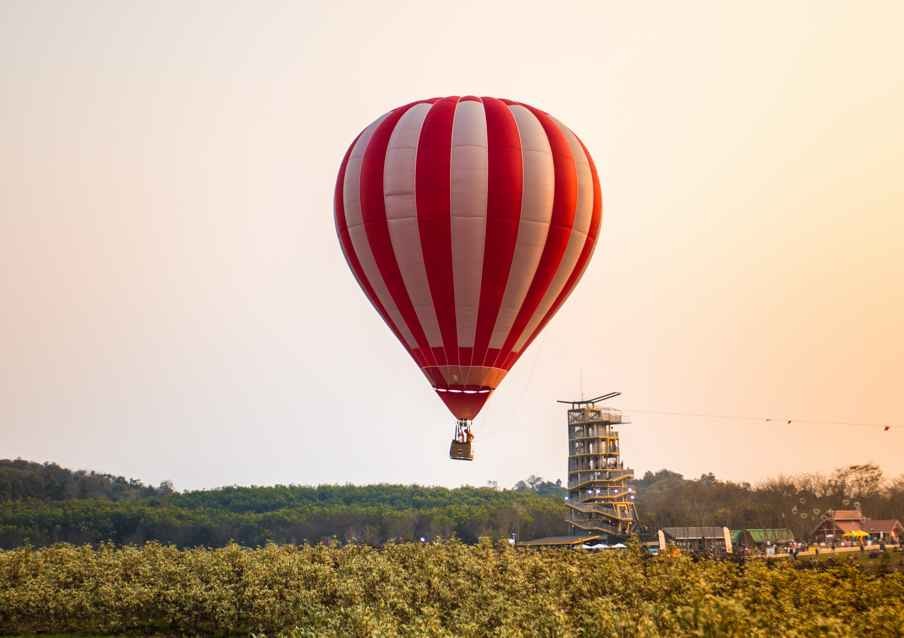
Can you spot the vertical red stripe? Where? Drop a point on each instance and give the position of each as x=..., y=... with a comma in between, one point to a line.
x=433, y=198
x=376, y=225
x=348, y=249
x=563, y=212
x=504, y=188
x=504, y=193
x=586, y=252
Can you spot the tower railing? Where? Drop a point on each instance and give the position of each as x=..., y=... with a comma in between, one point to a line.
x=599, y=499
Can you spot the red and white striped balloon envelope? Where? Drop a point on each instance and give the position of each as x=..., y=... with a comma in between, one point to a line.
x=467, y=222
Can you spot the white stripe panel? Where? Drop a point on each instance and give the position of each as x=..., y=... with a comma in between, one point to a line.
x=538, y=190
x=401, y=213
x=580, y=229
x=351, y=193
x=470, y=173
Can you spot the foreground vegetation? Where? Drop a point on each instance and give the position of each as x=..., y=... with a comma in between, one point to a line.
x=434, y=589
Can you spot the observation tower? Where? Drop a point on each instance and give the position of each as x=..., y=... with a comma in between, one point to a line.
x=599, y=499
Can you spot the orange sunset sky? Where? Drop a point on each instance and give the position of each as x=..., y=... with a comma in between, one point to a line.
x=175, y=304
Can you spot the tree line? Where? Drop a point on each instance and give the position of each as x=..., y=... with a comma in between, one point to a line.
x=21, y=479
x=42, y=504
x=666, y=498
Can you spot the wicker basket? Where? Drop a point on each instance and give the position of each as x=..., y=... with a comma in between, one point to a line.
x=460, y=451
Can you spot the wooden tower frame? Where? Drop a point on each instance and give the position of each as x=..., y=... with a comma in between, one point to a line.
x=599, y=499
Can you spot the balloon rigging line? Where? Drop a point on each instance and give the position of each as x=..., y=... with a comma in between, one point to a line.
x=530, y=377
x=533, y=367
x=764, y=419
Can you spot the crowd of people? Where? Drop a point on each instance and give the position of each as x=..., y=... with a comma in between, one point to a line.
x=795, y=548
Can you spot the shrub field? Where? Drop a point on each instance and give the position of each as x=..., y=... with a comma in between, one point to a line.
x=441, y=589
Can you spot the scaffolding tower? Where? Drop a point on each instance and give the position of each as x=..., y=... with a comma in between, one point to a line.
x=599, y=499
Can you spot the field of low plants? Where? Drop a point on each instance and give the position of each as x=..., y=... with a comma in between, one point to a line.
x=435, y=589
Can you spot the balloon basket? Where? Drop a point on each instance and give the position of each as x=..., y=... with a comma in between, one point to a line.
x=460, y=449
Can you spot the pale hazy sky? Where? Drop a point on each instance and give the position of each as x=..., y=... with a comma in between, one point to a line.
x=175, y=304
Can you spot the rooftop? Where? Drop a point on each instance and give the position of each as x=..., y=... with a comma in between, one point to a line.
x=693, y=533
x=882, y=525
x=777, y=535
x=847, y=515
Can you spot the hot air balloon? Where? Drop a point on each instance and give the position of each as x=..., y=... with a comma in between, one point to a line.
x=467, y=221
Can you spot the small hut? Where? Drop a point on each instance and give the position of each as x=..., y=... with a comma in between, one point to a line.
x=758, y=539
x=713, y=541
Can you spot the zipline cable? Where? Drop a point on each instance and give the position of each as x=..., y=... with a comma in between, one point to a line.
x=763, y=419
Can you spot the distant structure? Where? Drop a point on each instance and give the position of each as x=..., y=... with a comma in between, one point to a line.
x=761, y=540
x=599, y=499
x=583, y=541
x=710, y=541
x=839, y=525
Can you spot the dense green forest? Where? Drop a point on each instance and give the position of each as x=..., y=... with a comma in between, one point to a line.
x=41, y=504
x=44, y=504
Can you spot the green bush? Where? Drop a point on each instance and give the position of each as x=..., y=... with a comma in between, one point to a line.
x=435, y=589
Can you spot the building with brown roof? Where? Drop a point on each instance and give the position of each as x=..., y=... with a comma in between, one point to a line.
x=837, y=524
x=889, y=530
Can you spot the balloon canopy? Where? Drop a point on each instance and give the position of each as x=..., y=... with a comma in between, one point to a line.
x=467, y=222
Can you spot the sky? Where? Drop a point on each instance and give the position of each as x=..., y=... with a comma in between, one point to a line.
x=174, y=304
